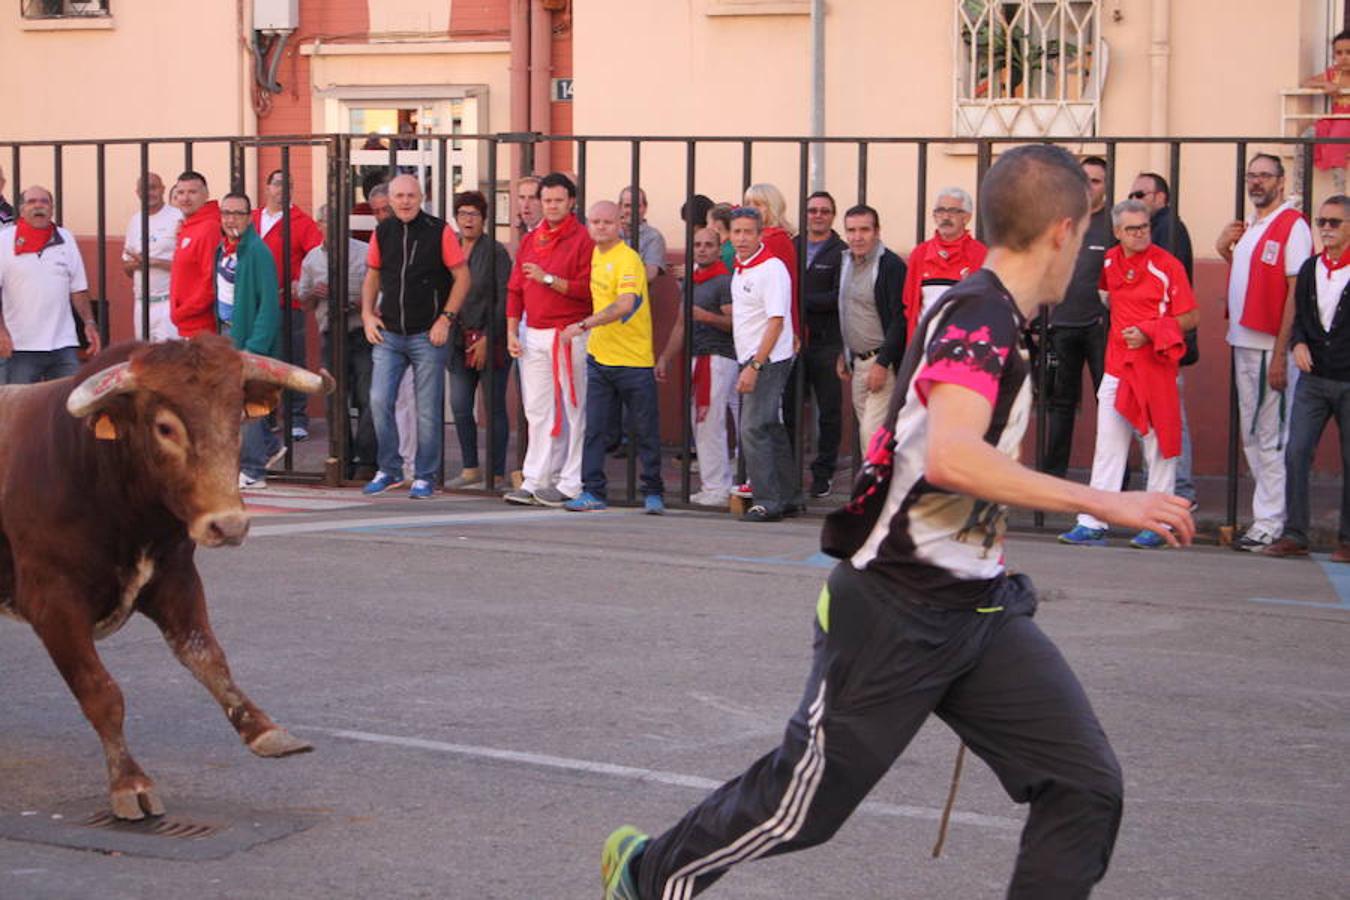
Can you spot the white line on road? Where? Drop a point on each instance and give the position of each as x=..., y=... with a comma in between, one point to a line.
x=398, y=522
x=632, y=773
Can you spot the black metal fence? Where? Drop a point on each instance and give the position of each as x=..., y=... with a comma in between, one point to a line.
x=598, y=160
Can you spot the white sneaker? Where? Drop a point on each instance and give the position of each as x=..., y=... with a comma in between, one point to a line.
x=710, y=498
x=248, y=483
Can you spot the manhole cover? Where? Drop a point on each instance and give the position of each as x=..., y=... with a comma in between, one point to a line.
x=192, y=830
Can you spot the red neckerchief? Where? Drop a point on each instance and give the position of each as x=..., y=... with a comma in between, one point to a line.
x=228, y=247
x=952, y=249
x=28, y=239
x=547, y=237
x=707, y=273
x=1339, y=263
x=755, y=259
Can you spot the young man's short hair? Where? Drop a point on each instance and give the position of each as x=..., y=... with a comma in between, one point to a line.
x=1029, y=189
x=721, y=213
x=237, y=195
x=824, y=195
x=1159, y=183
x=192, y=175
x=1093, y=161
x=1279, y=163
x=558, y=179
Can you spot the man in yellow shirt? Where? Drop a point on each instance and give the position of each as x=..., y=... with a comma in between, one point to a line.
x=620, y=363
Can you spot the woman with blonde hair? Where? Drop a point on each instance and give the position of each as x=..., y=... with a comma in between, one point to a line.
x=777, y=238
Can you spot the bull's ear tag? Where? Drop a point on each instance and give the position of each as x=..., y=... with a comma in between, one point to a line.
x=104, y=429
x=256, y=410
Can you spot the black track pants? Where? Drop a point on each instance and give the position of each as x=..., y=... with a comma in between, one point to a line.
x=881, y=666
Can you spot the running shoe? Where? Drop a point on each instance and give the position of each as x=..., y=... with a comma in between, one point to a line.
x=1083, y=536
x=299, y=433
x=820, y=488
x=421, y=489
x=616, y=871
x=1254, y=541
x=249, y=483
x=585, y=502
x=551, y=496
x=759, y=513
x=653, y=505
x=1148, y=540
x=381, y=483
x=709, y=498
x=521, y=497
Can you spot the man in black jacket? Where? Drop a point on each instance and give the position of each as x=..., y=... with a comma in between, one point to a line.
x=418, y=271
x=871, y=318
x=823, y=251
x=1321, y=340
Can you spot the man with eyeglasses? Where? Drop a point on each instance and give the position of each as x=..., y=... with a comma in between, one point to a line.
x=1320, y=337
x=944, y=259
x=1265, y=253
x=823, y=250
x=1151, y=305
x=1077, y=331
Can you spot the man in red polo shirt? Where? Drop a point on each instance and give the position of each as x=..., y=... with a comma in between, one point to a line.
x=1151, y=306
x=268, y=222
x=192, y=280
x=551, y=286
x=944, y=259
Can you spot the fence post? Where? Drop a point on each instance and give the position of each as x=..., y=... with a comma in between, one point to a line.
x=338, y=224
x=1234, y=410
x=101, y=304
x=686, y=313
x=145, y=242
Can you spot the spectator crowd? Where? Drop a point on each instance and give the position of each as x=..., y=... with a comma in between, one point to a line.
x=567, y=306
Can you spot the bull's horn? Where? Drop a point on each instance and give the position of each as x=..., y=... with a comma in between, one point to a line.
x=274, y=371
x=92, y=393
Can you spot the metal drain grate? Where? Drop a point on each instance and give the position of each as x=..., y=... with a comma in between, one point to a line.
x=193, y=829
x=161, y=826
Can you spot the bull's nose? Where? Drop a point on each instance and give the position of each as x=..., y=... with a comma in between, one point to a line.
x=224, y=528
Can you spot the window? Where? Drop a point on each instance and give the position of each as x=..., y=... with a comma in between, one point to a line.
x=1028, y=68
x=63, y=9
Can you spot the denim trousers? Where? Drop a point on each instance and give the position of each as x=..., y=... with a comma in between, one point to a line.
x=32, y=366
x=464, y=382
x=296, y=401
x=611, y=391
x=391, y=358
x=764, y=440
x=259, y=443
x=1316, y=401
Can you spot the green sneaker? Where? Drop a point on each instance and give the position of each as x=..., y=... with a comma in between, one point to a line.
x=615, y=872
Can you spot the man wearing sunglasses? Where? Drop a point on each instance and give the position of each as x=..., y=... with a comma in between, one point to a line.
x=1266, y=253
x=1320, y=337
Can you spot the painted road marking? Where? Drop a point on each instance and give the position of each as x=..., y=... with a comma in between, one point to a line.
x=650, y=776
x=816, y=560
x=376, y=523
x=1339, y=576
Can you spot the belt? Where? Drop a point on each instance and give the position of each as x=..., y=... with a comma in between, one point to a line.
x=859, y=357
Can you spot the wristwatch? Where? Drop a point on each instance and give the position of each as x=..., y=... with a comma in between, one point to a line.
x=549, y=279
x=448, y=316
x=756, y=364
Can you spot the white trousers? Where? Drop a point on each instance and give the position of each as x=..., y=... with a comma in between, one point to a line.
x=1264, y=423
x=161, y=326
x=405, y=418
x=1112, y=451
x=710, y=435
x=869, y=407
x=552, y=461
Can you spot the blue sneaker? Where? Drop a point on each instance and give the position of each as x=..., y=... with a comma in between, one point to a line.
x=381, y=483
x=585, y=502
x=653, y=505
x=1082, y=536
x=421, y=489
x=616, y=870
x=1148, y=540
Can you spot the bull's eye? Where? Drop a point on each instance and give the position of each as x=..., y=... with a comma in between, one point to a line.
x=164, y=430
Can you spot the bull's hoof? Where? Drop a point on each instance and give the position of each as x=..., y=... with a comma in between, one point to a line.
x=277, y=743
x=132, y=803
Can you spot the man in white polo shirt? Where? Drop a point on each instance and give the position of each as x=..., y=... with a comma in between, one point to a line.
x=761, y=325
x=1266, y=254
x=44, y=295
x=164, y=221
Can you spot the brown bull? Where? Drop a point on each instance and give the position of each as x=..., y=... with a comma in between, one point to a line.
x=108, y=482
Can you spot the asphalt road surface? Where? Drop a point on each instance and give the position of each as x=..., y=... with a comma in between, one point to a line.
x=491, y=690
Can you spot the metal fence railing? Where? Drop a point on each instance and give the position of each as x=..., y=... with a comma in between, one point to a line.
x=898, y=175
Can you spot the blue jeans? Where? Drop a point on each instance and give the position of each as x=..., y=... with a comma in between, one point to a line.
x=464, y=382
x=1316, y=400
x=391, y=359
x=610, y=389
x=32, y=366
x=764, y=441
x=260, y=442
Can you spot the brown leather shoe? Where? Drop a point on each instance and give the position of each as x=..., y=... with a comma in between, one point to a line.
x=1286, y=548
x=1341, y=554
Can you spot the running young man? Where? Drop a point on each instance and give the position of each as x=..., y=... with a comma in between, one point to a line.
x=922, y=617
